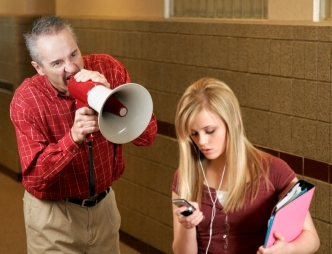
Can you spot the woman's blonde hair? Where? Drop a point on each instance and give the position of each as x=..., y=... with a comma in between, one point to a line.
x=243, y=160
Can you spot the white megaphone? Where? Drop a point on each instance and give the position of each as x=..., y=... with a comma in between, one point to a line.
x=123, y=112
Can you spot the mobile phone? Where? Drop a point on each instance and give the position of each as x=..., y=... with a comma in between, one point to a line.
x=179, y=202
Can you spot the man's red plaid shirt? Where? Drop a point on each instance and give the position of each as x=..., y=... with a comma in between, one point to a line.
x=53, y=165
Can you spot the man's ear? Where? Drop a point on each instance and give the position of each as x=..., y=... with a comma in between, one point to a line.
x=38, y=68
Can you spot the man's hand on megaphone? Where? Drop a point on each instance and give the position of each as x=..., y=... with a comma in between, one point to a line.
x=86, y=75
x=85, y=122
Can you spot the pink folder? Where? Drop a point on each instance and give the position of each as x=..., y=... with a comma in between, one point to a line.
x=288, y=220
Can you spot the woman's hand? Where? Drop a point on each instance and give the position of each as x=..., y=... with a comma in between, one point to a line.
x=185, y=235
x=192, y=220
x=280, y=246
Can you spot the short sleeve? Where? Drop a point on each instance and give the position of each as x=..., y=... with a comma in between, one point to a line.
x=281, y=174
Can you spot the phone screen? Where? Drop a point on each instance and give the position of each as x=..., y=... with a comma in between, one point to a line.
x=182, y=202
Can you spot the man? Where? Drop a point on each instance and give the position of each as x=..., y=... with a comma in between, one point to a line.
x=60, y=214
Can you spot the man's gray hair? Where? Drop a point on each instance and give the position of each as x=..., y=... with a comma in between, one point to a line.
x=46, y=25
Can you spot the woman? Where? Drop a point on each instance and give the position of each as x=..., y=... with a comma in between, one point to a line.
x=216, y=157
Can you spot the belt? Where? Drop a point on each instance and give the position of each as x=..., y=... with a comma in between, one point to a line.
x=92, y=201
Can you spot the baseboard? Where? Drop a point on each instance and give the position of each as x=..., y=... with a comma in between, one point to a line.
x=138, y=245
x=16, y=176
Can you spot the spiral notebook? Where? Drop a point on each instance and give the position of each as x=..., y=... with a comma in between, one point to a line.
x=289, y=214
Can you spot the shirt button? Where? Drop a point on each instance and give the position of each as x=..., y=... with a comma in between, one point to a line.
x=225, y=246
x=224, y=236
x=74, y=151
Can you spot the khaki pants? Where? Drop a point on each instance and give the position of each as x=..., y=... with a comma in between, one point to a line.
x=63, y=227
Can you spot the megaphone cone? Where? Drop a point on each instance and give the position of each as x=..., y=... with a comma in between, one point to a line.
x=123, y=112
x=122, y=129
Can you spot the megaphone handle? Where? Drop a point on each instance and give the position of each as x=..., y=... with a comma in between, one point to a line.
x=80, y=104
x=90, y=136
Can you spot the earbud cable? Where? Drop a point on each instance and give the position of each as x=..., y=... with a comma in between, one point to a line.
x=213, y=214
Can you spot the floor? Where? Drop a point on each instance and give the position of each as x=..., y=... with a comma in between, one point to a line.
x=12, y=232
